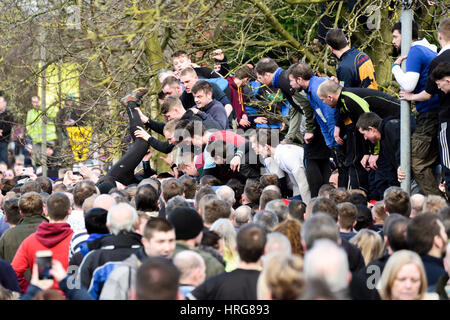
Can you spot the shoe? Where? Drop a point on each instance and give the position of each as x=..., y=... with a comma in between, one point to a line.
x=136, y=96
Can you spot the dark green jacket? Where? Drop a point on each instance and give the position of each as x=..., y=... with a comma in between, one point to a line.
x=213, y=266
x=13, y=237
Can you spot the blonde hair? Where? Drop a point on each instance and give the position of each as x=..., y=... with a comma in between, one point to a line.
x=393, y=266
x=225, y=229
x=434, y=203
x=282, y=277
x=370, y=244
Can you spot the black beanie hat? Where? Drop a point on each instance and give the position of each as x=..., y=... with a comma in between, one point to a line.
x=187, y=222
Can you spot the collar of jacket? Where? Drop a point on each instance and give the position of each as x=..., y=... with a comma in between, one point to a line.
x=122, y=240
x=208, y=106
x=276, y=76
x=346, y=53
x=33, y=219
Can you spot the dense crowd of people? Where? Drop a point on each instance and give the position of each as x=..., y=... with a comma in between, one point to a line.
x=283, y=185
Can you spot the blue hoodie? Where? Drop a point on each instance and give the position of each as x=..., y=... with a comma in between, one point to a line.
x=325, y=115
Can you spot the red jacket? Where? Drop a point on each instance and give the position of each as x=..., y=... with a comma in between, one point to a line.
x=48, y=236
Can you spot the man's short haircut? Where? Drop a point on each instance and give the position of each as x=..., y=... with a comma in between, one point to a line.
x=396, y=233
x=171, y=188
x=157, y=279
x=378, y=210
x=325, y=189
x=266, y=65
x=368, y=119
x=30, y=186
x=347, y=214
x=279, y=207
x=328, y=87
x=253, y=192
x=397, y=200
x=175, y=202
x=45, y=183
x=171, y=103
x=319, y=226
x=170, y=125
x=336, y=39
x=58, y=205
x=421, y=231
x=244, y=72
x=209, y=180
x=267, y=219
x=189, y=71
x=269, y=179
x=30, y=204
x=297, y=209
x=11, y=210
x=202, y=85
x=215, y=209
x=301, y=70
x=204, y=190
x=156, y=225
x=415, y=29
x=146, y=198
x=190, y=186
x=266, y=137
x=444, y=29
x=267, y=196
x=441, y=71
x=325, y=205
x=179, y=53
x=339, y=195
x=83, y=190
x=226, y=194
x=251, y=240
x=170, y=81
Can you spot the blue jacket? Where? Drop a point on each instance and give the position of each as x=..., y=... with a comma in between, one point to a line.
x=217, y=112
x=325, y=115
x=71, y=293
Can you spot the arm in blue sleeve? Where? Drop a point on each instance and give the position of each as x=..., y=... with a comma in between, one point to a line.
x=73, y=294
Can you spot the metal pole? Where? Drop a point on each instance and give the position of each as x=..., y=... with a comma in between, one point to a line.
x=43, y=107
x=405, y=112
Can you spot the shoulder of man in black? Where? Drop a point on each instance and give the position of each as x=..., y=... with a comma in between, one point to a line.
x=205, y=72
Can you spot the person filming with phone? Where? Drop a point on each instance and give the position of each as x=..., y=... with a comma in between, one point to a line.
x=53, y=236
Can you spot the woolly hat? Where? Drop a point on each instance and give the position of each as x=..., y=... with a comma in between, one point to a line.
x=187, y=222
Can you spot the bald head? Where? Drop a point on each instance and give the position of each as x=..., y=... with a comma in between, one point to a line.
x=104, y=201
x=242, y=215
x=192, y=267
x=417, y=201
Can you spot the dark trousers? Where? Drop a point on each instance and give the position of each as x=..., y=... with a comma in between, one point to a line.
x=123, y=170
x=425, y=151
x=318, y=173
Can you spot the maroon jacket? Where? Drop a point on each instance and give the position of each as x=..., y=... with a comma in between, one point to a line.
x=237, y=99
